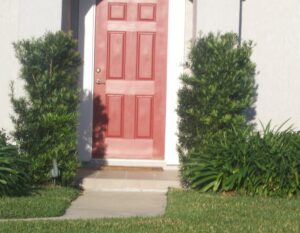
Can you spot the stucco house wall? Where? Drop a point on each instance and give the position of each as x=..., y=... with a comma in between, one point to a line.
x=274, y=27
x=21, y=19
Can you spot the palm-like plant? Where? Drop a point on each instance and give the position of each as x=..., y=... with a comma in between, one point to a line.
x=13, y=177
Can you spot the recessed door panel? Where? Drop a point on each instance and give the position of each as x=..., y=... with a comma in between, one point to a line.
x=115, y=111
x=144, y=114
x=146, y=55
x=116, y=54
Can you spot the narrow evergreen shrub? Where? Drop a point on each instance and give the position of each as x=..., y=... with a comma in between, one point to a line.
x=14, y=180
x=3, y=137
x=220, y=149
x=242, y=160
x=45, y=118
x=220, y=90
x=218, y=94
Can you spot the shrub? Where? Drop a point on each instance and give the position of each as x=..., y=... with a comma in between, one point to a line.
x=3, y=137
x=219, y=91
x=266, y=163
x=218, y=94
x=46, y=118
x=13, y=177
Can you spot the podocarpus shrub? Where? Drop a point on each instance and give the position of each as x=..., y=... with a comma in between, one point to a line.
x=13, y=177
x=243, y=160
x=3, y=137
x=217, y=94
x=219, y=91
x=46, y=117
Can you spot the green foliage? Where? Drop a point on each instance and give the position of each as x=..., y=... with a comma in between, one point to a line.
x=219, y=90
x=14, y=180
x=266, y=163
x=219, y=148
x=46, y=118
x=3, y=137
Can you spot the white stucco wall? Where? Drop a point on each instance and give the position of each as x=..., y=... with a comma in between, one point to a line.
x=21, y=19
x=188, y=27
x=274, y=27
x=217, y=15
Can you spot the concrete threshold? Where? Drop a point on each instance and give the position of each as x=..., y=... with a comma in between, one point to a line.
x=128, y=180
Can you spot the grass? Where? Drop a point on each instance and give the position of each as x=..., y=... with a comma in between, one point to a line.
x=187, y=211
x=44, y=202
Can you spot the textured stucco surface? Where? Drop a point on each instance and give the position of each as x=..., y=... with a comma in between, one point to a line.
x=21, y=19
x=274, y=27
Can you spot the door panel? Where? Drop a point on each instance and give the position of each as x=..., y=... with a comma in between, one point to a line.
x=116, y=55
x=130, y=77
x=146, y=55
x=144, y=116
x=115, y=111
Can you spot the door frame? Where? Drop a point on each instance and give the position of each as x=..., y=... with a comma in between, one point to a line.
x=175, y=59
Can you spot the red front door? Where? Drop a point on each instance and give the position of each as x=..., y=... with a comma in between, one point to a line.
x=130, y=78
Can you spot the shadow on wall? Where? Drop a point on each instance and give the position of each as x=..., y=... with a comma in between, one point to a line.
x=251, y=112
x=100, y=121
x=91, y=128
x=92, y=124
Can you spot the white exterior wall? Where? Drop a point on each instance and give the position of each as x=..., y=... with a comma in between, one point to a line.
x=188, y=27
x=21, y=19
x=217, y=15
x=274, y=27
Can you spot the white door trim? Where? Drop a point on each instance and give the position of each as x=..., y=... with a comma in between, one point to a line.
x=86, y=38
x=176, y=46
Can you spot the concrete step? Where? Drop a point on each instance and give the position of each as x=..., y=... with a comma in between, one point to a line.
x=128, y=180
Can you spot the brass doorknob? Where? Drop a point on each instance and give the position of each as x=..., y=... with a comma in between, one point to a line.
x=98, y=70
x=99, y=81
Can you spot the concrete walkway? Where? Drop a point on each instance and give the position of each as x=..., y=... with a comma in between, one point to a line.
x=122, y=193
x=116, y=204
x=95, y=204
x=119, y=193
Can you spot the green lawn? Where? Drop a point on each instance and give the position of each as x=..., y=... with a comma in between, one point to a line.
x=44, y=202
x=188, y=212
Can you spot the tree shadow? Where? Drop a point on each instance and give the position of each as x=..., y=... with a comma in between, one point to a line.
x=100, y=121
x=250, y=112
x=93, y=122
x=93, y=118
